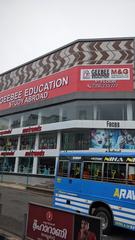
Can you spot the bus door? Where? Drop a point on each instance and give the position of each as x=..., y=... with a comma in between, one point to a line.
x=68, y=177
x=74, y=180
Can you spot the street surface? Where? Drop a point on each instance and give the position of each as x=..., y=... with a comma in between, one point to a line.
x=15, y=206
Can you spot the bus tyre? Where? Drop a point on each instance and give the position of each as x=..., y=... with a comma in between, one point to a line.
x=106, y=219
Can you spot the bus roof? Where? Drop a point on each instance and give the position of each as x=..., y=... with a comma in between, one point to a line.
x=97, y=154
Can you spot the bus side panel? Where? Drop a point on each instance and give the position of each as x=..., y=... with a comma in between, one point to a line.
x=77, y=195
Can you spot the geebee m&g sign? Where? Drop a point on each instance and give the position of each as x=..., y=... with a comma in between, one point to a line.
x=108, y=77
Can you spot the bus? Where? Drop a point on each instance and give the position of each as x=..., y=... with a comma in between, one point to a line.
x=101, y=184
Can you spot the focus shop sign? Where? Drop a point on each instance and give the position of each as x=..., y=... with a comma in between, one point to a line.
x=45, y=223
x=93, y=78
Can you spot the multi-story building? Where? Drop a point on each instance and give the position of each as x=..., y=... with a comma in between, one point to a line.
x=77, y=98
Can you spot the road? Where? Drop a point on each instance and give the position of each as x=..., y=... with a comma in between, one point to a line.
x=15, y=206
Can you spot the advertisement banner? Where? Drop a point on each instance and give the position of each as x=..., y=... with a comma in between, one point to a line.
x=107, y=78
x=86, y=228
x=47, y=223
x=54, y=224
x=91, y=78
x=112, y=139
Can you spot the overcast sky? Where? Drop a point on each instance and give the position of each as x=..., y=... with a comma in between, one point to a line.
x=31, y=28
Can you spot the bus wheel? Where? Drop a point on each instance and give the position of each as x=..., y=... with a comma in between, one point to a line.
x=106, y=219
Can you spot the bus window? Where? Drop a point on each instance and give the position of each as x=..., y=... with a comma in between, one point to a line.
x=131, y=174
x=115, y=172
x=86, y=170
x=75, y=170
x=63, y=169
x=92, y=171
x=96, y=172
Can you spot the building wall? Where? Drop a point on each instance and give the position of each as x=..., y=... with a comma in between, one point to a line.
x=80, y=52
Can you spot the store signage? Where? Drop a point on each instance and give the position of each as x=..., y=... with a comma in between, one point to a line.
x=32, y=129
x=7, y=153
x=106, y=73
x=50, y=223
x=4, y=132
x=93, y=78
x=34, y=154
x=108, y=77
x=113, y=124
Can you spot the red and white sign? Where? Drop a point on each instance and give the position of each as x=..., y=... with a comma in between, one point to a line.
x=7, y=153
x=47, y=223
x=5, y=132
x=32, y=129
x=107, y=78
x=93, y=78
x=34, y=153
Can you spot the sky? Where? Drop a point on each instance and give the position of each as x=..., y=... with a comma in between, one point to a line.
x=32, y=28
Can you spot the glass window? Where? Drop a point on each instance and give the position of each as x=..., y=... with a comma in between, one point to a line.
x=8, y=164
x=4, y=123
x=25, y=165
x=85, y=110
x=75, y=170
x=86, y=170
x=46, y=166
x=50, y=115
x=47, y=141
x=131, y=174
x=133, y=109
x=15, y=121
x=92, y=171
x=8, y=143
x=75, y=140
x=63, y=168
x=27, y=142
x=111, y=110
x=69, y=111
x=96, y=171
x=115, y=172
x=2, y=143
x=1, y=164
x=30, y=118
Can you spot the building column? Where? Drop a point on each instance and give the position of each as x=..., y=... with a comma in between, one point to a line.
x=129, y=111
x=16, y=164
x=35, y=164
x=58, y=148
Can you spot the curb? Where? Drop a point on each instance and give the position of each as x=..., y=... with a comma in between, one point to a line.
x=16, y=186
x=4, y=235
x=38, y=189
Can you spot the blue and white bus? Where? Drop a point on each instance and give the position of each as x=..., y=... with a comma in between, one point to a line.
x=99, y=184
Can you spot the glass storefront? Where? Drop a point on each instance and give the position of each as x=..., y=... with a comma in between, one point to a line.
x=74, y=110
x=47, y=140
x=46, y=166
x=81, y=139
x=7, y=164
x=25, y=165
x=27, y=142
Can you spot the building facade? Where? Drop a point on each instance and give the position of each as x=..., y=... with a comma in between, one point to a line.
x=78, y=98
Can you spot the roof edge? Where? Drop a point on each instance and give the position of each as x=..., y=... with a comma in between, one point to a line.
x=67, y=45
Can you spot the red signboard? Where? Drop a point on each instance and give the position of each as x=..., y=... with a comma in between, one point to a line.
x=50, y=223
x=91, y=78
x=34, y=154
x=32, y=129
x=4, y=132
x=7, y=153
x=46, y=223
